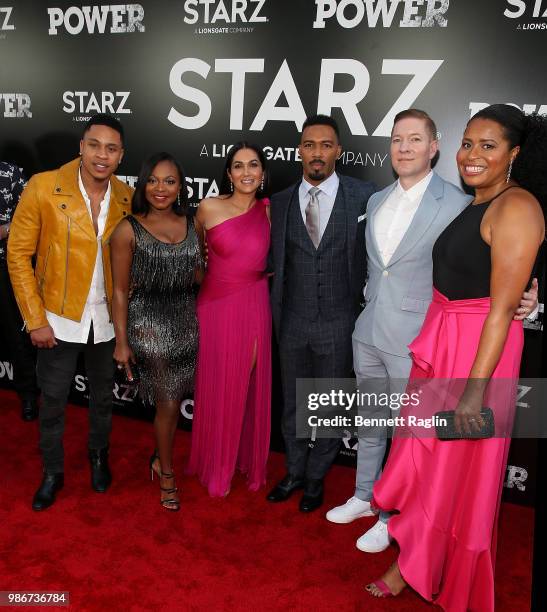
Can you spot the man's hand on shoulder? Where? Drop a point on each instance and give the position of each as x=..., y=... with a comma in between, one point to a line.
x=43, y=337
x=529, y=307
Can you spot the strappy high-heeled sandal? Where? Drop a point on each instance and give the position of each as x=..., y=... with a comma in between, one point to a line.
x=154, y=464
x=170, y=503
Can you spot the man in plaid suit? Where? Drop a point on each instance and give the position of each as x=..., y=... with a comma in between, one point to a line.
x=318, y=257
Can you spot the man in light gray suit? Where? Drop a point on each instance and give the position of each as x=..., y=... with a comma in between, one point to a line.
x=403, y=223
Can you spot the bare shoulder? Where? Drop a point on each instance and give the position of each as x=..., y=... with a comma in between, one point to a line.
x=518, y=211
x=210, y=205
x=518, y=202
x=123, y=234
x=214, y=201
x=209, y=210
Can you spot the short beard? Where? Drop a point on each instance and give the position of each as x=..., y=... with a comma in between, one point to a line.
x=317, y=175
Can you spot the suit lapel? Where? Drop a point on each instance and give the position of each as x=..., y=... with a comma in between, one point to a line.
x=352, y=210
x=284, y=206
x=423, y=218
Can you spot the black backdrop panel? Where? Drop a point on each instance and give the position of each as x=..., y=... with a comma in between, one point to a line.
x=193, y=76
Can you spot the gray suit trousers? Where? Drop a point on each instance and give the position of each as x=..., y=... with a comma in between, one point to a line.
x=384, y=373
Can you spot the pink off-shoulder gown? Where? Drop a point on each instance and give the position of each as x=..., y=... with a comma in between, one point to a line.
x=231, y=425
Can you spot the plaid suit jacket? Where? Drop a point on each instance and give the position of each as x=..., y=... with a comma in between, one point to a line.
x=355, y=194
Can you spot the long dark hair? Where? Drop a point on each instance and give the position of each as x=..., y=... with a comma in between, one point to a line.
x=139, y=203
x=243, y=144
x=529, y=132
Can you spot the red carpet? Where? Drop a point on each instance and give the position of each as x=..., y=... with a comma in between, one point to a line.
x=122, y=551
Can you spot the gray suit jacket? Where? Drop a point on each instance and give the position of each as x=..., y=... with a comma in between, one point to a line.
x=398, y=294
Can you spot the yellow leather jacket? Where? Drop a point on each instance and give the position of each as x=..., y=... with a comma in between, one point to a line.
x=52, y=222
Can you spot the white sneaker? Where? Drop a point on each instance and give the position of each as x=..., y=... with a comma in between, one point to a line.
x=376, y=539
x=353, y=509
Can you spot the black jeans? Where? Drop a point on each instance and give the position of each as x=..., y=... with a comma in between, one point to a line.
x=55, y=369
x=17, y=341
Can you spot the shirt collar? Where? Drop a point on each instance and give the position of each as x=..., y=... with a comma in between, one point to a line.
x=329, y=186
x=416, y=192
x=84, y=192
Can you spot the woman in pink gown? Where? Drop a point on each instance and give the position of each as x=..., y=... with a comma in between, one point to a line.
x=447, y=494
x=231, y=426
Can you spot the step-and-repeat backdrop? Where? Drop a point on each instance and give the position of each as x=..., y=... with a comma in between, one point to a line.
x=193, y=76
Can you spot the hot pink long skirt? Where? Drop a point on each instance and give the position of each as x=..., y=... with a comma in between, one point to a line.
x=447, y=493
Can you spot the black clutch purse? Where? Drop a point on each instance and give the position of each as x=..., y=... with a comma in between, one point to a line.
x=446, y=430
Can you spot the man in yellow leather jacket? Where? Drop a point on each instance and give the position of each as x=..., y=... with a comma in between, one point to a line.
x=65, y=218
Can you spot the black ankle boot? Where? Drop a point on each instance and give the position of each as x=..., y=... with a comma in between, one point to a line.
x=100, y=472
x=45, y=496
x=29, y=409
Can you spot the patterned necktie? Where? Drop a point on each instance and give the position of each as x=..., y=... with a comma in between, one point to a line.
x=312, y=216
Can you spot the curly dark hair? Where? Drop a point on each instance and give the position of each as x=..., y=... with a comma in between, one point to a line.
x=238, y=146
x=529, y=132
x=139, y=203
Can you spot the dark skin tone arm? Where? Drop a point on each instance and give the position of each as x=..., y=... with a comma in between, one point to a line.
x=200, y=271
x=122, y=244
x=514, y=228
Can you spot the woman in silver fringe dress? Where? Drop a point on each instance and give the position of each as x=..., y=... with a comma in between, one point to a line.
x=156, y=258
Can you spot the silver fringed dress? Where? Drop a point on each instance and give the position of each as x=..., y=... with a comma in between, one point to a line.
x=162, y=327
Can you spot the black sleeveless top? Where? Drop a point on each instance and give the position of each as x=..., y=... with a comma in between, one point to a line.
x=461, y=258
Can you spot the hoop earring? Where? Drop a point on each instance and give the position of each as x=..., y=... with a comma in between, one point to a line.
x=508, y=176
x=231, y=187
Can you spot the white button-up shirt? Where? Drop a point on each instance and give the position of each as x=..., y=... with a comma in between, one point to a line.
x=326, y=197
x=395, y=216
x=95, y=309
